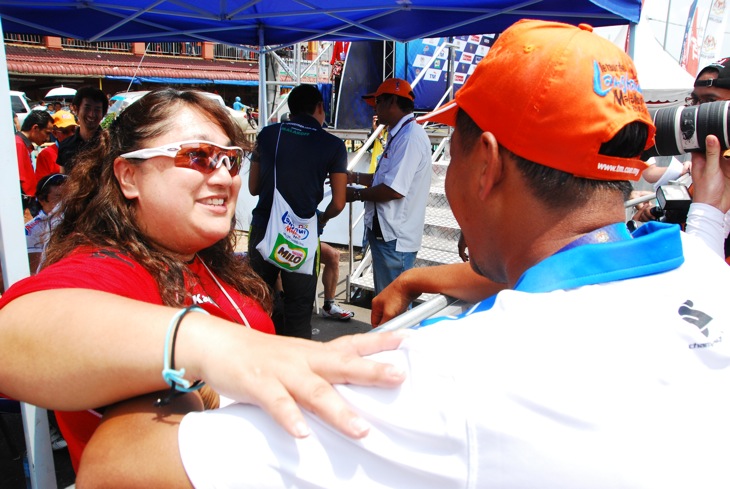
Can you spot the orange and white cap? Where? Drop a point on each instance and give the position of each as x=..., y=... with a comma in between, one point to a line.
x=553, y=93
x=393, y=86
x=63, y=118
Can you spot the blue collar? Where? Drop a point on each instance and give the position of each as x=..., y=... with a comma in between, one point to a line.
x=653, y=248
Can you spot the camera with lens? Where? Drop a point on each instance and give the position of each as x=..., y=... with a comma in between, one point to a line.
x=682, y=130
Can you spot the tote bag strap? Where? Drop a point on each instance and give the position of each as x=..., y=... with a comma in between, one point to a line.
x=276, y=151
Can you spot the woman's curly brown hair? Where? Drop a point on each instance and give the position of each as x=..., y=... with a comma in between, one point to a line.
x=96, y=213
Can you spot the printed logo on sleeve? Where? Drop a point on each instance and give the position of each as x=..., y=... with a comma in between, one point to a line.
x=701, y=320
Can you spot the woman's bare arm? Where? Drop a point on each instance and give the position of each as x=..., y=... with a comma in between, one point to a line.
x=73, y=349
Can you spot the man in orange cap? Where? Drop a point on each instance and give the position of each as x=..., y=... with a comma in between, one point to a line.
x=64, y=125
x=395, y=195
x=562, y=381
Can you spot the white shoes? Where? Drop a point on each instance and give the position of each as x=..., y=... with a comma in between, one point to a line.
x=336, y=312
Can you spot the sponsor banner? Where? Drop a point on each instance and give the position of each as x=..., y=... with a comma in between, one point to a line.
x=690, y=57
x=413, y=57
x=714, y=34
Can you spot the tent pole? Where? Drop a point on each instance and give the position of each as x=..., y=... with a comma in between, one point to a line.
x=263, y=103
x=14, y=259
x=666, y=25
x=632, y=40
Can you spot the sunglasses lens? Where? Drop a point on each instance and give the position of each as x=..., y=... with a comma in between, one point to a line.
x=205, y=158
x=235, y=158
x=199, y=159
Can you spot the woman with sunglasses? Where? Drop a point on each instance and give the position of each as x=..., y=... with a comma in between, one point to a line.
x=147, y=222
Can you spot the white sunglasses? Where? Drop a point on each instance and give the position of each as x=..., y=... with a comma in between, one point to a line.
x=202, y=156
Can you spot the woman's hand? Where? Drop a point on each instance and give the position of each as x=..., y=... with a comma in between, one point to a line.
x=277, y=373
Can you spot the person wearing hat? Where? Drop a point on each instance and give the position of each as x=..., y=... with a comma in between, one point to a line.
x=237, y=105
x=711, y=85
x=64, y=126
x=395, y=195
x=560, y=381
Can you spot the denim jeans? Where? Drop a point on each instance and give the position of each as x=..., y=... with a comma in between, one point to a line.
x=388, y=263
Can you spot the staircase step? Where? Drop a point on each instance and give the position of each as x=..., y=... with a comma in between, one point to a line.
x=441, y=243
x=438, y=257
x=366, y=282
x=441, y=217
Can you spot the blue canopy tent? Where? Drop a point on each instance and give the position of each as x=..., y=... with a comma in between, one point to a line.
x=285, y=22
x=267, y=24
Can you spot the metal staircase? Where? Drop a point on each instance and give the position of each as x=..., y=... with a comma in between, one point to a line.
x=440, y=231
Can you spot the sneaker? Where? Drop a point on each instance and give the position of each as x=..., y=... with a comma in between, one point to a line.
x=336, y=312
x=57, y=441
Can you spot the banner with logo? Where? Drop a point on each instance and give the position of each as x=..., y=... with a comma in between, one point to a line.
x=714, y=34
x=690, y=57
x=704, y=35
x=413, y=57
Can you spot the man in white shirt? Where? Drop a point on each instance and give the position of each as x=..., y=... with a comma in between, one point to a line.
x=559, y=381
x=395, y=195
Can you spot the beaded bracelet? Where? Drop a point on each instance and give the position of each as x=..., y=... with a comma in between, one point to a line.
x=176, y=378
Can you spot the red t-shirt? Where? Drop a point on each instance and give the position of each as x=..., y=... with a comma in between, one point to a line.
x=109, y=270
x=25, y=167
x=45, y=162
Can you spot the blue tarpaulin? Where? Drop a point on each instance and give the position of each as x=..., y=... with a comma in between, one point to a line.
x=285, y=22
x=163, y=80
x=242, y=83
x=182, y=81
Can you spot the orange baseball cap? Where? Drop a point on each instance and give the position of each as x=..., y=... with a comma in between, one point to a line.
x=394, y=86
x=63, y=118
x=553, y=93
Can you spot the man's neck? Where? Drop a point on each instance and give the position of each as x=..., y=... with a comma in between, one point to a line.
x=25, y=136
x=398, y=119
x=87, y=134
x=538, y=235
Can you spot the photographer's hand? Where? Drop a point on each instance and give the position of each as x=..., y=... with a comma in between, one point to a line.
x=711, y=176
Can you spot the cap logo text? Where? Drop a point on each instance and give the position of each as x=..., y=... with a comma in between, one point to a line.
x=614, y=78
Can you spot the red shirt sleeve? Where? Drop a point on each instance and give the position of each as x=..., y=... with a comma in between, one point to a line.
x=25, y=168
x=45, y=163
x=103, y=270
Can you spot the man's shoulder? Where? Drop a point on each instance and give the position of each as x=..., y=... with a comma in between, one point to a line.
x=268, y=131
x=331, y=138
x=69, y=142
x=49, y=151
x=21, y=142
x=415, y=130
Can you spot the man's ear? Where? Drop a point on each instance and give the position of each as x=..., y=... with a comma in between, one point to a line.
x=491, y=170
x=126, y=173
x=320, y=108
